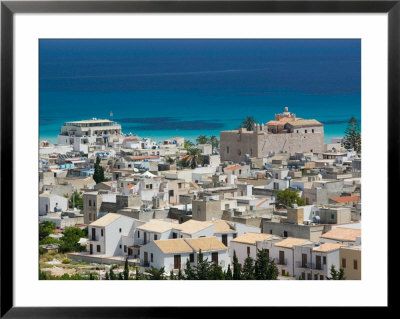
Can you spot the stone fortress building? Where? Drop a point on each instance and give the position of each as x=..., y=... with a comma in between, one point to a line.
x=285, y=134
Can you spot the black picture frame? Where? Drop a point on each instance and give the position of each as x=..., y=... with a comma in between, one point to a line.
x=9, y=8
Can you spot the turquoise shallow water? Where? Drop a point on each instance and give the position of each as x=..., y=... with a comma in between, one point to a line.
x=165, y=114
x=166, y=88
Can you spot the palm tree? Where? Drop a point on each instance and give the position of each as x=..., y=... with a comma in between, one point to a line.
x=214, y=142
x=202, y=139
x=188, y=144
x=192, y=159
x=156, y=274
x=248, y=123
x=170, y=160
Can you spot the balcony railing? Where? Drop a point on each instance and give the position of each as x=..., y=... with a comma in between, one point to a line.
x=281, y=261
x=316, y=266
x=300, y=264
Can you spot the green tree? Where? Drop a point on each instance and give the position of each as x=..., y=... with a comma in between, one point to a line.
x=189, y=272
x=120, y=276
x=138, y=275
x=180, y=275
x=156, y=274
x=169, y=160
x=69, y=242
x=264, y=268
x=192, y=159
x=49, y=240
x=202, y=139
x=188, y=144
x=352, y=136
x=248, y=123
x=112, y=274
x=126, y=269
x=236, y=267
x=107, y=276
x=228, y=273
x=78, y=200
x=248, y=269
x=98, y=175
x=216, y=272
x=287, y=198
x=172, y=275
x=202, y=269
x=336, y=275
x=45, y=229
x=214, y=142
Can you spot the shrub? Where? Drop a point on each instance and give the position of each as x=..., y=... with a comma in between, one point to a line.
x=66, y=261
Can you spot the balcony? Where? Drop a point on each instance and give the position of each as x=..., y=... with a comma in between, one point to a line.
x=300, y=264
x=315, y=266
x=281, y=261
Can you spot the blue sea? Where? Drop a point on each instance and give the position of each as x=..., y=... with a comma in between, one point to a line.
x=162, y=88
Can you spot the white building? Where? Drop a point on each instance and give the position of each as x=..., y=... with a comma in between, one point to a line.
x=283, y=254
x=112, y=234
x=323, y=257
x=172, y=254
x=245, y=245
x=81, y=134
x=47, y=203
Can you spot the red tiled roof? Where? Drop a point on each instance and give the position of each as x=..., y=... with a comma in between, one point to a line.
x=282, y=121
x=345, y=199
x=130, y=186
x=143, y=157
x=232, y=168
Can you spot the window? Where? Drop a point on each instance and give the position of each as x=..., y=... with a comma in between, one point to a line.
x=303, y=275
x=305, y=131
x=332, y=216
x=240, y=171
x=151, y=186
x=124, y=248
x=191, y=258
x=285, y=234
x=355, y=264
x=214, y=258
x=312, y=130
x=155, y=237
x=270, y=231
x=225, y=239
x=266, y=252
x=98, y=248
x=90, y=202
x=179, y=185
x=138, y=234
x=297, y=131
x=248, y=251
x=308, y=276
x=120, y=230
x=315, y=277
x=321, y=277
x=151, y=257
x=93, y=233
x=174, y=235
x=324, y=260
x=227, y=149
x=102, y=232
x=120, y=246
x=343, y=262
x=234, y=235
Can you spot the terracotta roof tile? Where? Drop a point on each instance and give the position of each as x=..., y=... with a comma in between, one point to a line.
x=345, y=199
x=342, y=234
x=205, y=243
x=251, y=238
